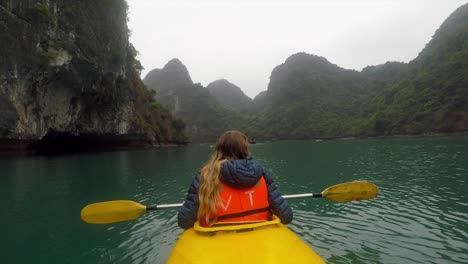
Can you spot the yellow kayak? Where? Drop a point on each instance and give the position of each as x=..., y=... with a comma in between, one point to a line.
x=264, y=242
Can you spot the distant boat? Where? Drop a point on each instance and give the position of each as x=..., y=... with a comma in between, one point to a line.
x=252, y=141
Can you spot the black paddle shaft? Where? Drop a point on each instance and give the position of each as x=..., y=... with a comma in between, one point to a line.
x=151, y=208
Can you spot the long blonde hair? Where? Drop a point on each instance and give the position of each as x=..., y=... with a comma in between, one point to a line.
x=231, y=145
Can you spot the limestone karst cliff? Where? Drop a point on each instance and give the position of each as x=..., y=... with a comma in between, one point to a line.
x=68, y=72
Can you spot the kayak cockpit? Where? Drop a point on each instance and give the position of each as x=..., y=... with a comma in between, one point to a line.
x=236, y=226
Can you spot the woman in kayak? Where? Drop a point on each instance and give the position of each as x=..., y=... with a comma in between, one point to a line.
x=232, y=187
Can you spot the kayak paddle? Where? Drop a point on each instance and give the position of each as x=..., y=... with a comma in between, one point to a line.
x=124, y=210
x=344, y=192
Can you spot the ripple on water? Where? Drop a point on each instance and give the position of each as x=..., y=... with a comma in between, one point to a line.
x=151, y=239
x=404, y=228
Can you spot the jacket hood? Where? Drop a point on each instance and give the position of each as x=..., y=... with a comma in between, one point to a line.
x=242, y=173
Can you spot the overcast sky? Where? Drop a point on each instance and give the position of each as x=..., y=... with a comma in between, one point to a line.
x=243, y=40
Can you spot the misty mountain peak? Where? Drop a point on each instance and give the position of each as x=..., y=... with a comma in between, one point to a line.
x=305, y=57
x=310, y=61
x=223, y=84
x=304, y=75
x=175, y=65
x=173, y=76
x=177, y=69
x=229, y=94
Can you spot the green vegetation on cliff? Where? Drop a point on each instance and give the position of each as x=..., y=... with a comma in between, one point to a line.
x=311, y=98
x=433, y=96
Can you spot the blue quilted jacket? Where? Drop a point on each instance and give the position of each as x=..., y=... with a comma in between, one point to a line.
x=237, y=174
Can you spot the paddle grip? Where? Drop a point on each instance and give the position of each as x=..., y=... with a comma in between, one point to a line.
x=151, y=208
x=302, y=195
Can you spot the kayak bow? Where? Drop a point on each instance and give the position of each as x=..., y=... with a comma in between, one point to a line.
x=264, y=242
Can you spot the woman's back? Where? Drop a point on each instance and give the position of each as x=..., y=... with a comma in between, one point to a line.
x=230, y=166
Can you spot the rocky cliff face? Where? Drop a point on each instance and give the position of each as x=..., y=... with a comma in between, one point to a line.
x=68, y=70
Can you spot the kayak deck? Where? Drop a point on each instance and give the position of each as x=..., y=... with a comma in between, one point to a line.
x=265, y=242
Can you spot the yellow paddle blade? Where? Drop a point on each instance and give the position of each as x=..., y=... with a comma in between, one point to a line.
x=112, y=211
x=351, y=191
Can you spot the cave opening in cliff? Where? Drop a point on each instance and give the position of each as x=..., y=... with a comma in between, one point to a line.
x=61, y=142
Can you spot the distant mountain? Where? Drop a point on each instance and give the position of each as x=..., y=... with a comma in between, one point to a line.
x=204, y=116
x=307, y=76
x=170, y=83
x=309, y=97
x=229, y=95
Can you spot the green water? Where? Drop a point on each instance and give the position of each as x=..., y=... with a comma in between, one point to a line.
x=419, y=217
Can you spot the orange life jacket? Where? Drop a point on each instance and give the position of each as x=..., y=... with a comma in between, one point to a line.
x=240, y=205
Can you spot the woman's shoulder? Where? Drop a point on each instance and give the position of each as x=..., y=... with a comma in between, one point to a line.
x=264, y=171
x=196, y=179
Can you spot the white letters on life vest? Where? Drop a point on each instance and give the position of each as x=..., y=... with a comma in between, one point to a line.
x=249, y=193
x=225, y=207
